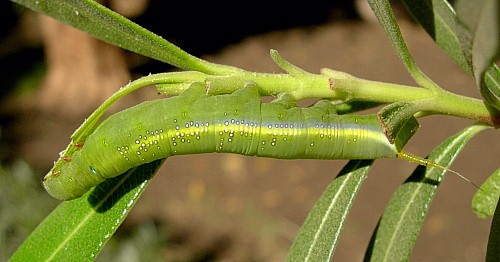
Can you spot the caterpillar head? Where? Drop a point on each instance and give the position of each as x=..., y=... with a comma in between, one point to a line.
x=70, y=179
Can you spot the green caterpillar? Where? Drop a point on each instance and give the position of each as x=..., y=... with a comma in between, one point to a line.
x=195, y=122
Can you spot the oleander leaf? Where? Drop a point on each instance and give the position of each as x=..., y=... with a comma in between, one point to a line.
x=78, y=229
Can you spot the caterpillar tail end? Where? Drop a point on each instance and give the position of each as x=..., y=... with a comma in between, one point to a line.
x=426, y=162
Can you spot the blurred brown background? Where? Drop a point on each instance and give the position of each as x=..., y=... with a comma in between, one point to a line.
x=230, y=207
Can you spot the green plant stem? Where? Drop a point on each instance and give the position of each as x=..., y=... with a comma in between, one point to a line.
x=298, y=87
x=436, y=101
x=365, y=90
x=432, y=101
x=460, y=106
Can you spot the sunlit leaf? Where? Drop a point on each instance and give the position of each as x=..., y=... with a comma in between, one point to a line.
x=485, y=200
x=104, y=24
x=397, y=230
x=79, y=228
x=319, y=234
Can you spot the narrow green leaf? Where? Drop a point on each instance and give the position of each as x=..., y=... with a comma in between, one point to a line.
x=493, y=250
x=318, y=236
x=383, y=12
x=480, y=19
x=104, y=24
x=399, y=226
x=485, y=200
x=78, y=229
x=438, y=18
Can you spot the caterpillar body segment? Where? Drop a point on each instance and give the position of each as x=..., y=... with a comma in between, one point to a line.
x=194, y=123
